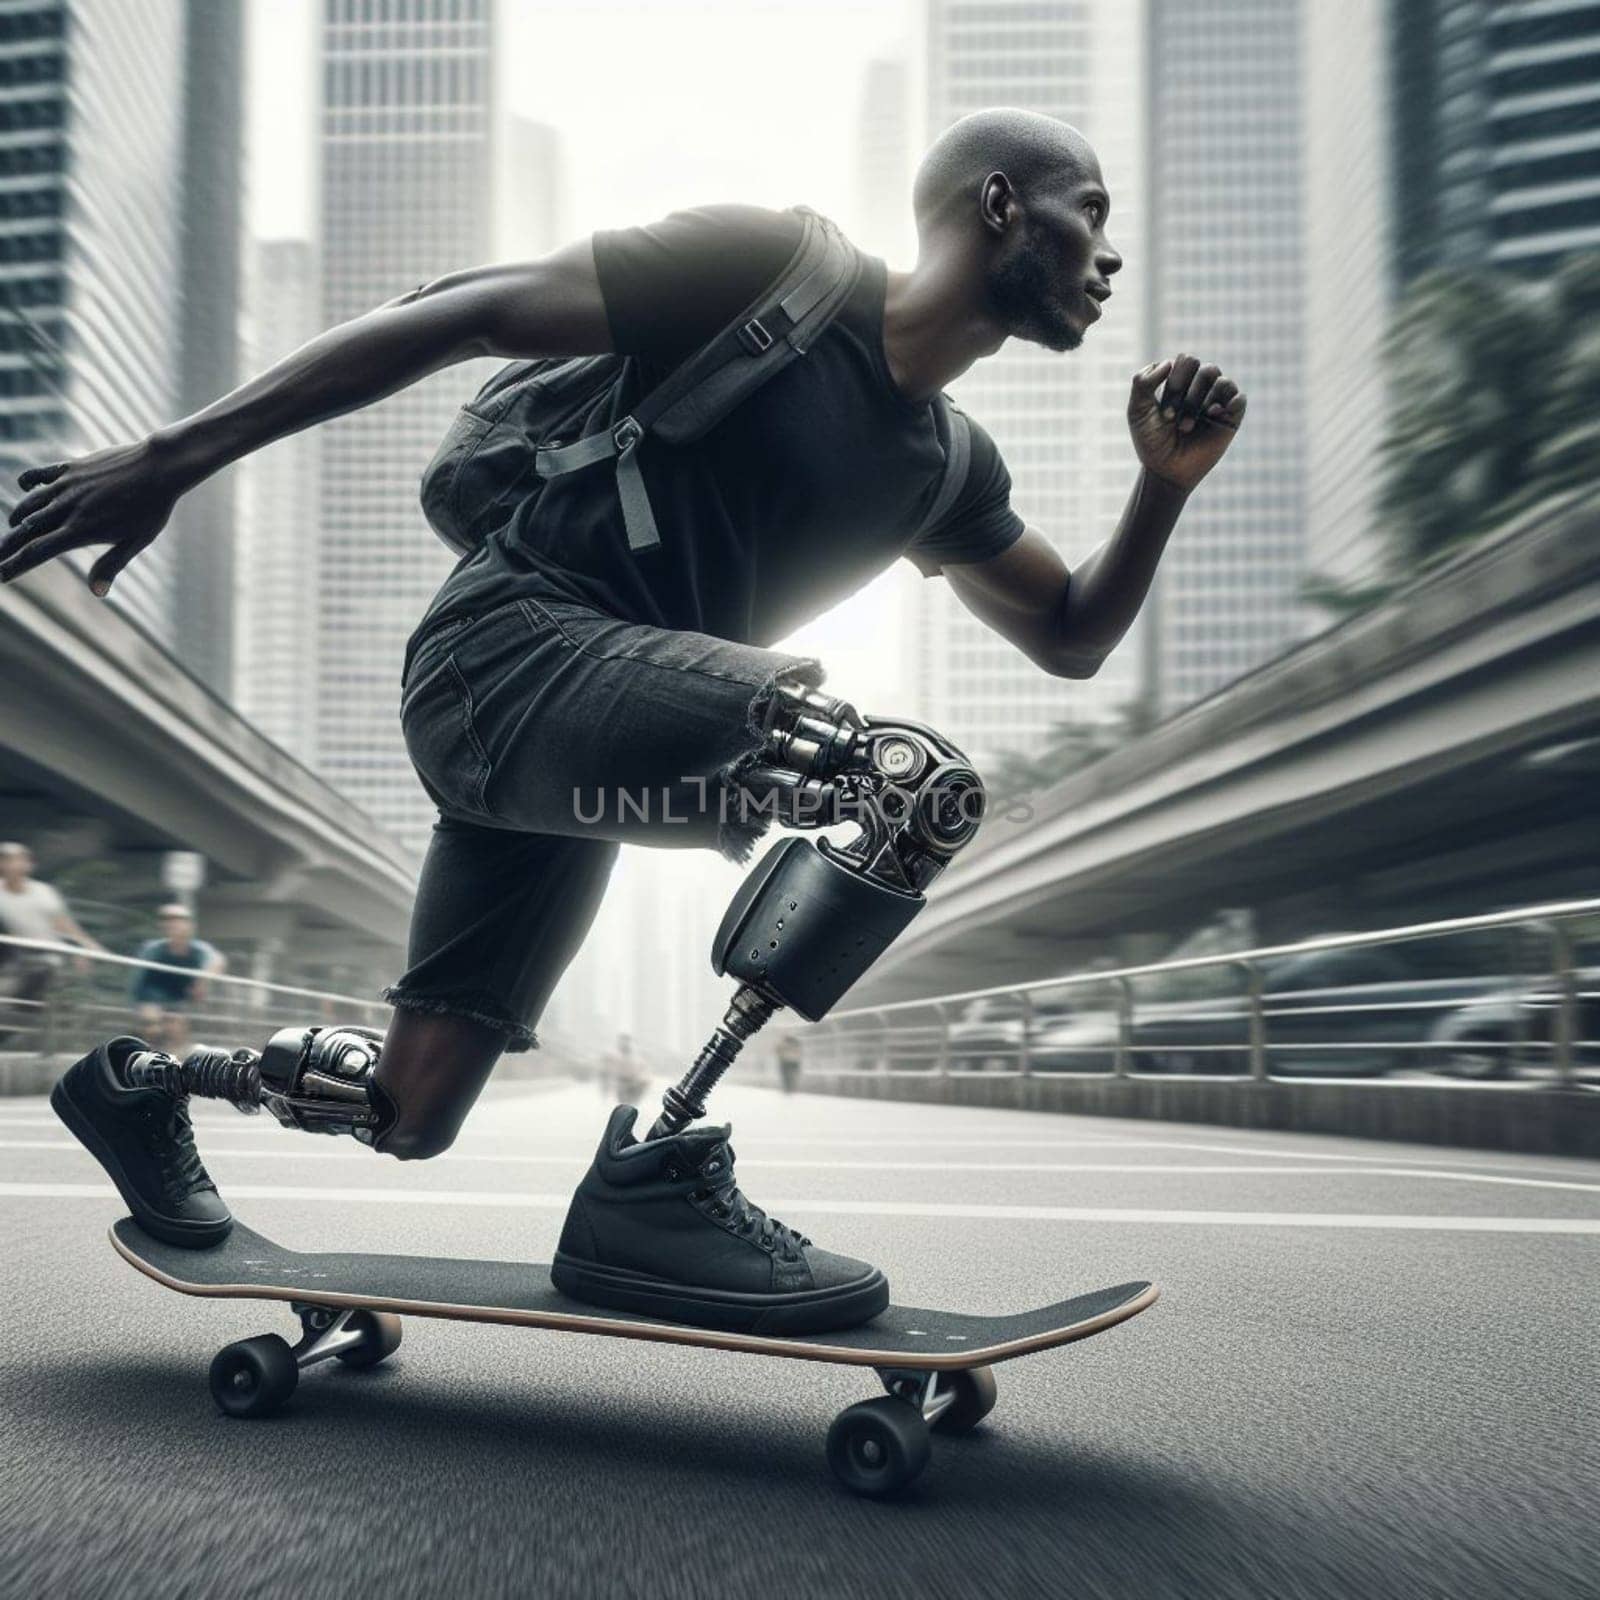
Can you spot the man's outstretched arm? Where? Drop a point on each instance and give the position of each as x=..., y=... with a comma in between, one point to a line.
x=1068, y=623
x=123, y=497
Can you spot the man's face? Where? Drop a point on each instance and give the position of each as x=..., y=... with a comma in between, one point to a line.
x=15, y=865
x=1049, y=280
x=175, y=929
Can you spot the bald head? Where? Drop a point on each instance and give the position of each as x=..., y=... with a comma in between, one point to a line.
x=1038, y=154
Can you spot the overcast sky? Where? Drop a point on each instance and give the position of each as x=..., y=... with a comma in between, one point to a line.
x=660, y=104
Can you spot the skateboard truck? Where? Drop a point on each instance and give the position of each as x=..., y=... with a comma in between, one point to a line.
x=813, y=916
x=254, y=1377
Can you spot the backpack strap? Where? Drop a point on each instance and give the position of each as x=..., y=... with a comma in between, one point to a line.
x=770, y=332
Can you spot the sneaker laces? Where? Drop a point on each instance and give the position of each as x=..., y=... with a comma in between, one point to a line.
x=171, y=1146
x=747, y=1218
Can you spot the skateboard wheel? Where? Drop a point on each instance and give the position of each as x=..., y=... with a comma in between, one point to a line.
x=254, y=1377
x=380, y=1338
x=877, y=1447
x=975, y=1394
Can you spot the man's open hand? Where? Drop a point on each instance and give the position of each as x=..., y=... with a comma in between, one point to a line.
x=1183, y=415
x=121, y=497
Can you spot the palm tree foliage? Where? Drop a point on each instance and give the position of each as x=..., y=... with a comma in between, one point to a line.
x=1494, y=406
x=1069, y=747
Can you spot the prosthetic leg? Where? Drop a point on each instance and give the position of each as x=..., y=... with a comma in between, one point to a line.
x=318, y=1079
x=807, y=923
x=814, y=916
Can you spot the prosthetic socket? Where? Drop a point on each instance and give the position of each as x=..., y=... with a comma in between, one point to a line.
x=318, y=1079
x=813, y=916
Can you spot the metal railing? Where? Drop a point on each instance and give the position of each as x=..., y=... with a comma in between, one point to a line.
x=54, y=997
x=1543, y=1022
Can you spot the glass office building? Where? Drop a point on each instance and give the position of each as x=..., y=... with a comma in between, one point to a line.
x=407, y=166
x=1059, y=420
x=1496, y=132
x=1228, y=285
x=91, y=160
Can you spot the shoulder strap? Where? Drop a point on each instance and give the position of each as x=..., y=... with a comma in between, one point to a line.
x=779, y=325
x=957, y=455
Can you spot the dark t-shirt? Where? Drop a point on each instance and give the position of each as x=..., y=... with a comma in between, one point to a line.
x=803, y=493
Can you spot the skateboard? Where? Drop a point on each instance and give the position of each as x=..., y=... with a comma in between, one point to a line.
x=936, y=1366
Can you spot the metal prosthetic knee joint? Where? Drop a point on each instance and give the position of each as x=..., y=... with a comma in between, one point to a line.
x=813, y=916
x=319, y=1079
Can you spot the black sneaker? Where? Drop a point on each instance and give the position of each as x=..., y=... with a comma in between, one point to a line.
x=143, y=1139
x=661, y=1228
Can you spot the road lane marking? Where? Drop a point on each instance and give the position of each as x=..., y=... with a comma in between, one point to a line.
x=584, y=1139
x=262, y=1125
x=879, y=1208
x=355, y=1153
x=581, y=1145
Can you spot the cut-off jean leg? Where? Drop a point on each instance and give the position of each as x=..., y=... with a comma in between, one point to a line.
x=498, y=918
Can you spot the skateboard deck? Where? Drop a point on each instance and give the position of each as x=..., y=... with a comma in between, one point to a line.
x=935, y=1364
x=248, y=1266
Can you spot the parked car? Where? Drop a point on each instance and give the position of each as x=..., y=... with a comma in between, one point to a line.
x=1495, y=1035
x=1081, y=1041
x=988, y=1035
x=1335, y=1013
x=1349, y=1012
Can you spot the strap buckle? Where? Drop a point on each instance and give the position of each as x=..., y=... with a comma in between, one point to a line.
x=626, y=434
x=754, y=337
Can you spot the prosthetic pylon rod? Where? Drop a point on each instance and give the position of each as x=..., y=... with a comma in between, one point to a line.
x=206, y=1071
x=685, y=1102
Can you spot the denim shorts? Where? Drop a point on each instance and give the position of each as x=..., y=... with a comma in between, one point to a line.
x=548, y=733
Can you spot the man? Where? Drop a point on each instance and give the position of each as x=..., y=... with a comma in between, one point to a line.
x=788, y=1063
x=164, y=998
x=30, y=909
x=624, y=1075
x=557, y=661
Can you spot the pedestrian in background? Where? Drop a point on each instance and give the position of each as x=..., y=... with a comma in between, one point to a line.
x=166, y=998
x=624, y=1074
x=788, y=1062
x=30, y=909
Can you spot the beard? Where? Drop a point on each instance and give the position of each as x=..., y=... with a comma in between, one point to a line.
x=1030, y=301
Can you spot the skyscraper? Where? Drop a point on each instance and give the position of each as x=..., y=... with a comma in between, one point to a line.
x=1059, y=420
x=1496, y=132
x=1228, y=285
x=885, y=160
x=530, y=207
x=407, y=167
x=276, y=633
x=1350, y=235
x=211, y=242
x=92, y=113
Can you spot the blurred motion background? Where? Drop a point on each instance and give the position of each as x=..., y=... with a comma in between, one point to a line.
x=1362, y=696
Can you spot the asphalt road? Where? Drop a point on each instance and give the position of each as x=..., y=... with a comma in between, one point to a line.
x=1371, y=1373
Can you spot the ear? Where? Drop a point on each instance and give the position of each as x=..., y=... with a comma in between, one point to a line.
x=997, y=203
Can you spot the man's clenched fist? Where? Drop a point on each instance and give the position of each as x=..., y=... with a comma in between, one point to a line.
x=1183, y=415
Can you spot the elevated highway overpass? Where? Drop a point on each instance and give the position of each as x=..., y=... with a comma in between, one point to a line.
x=1437, y=755
x=109, y=748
